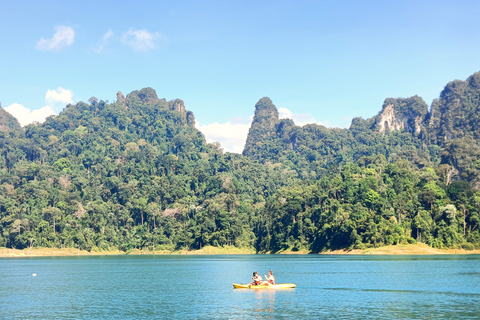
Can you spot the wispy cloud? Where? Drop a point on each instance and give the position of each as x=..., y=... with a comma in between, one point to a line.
x=107, y=35
x=141, y=40
x=105, y=41
x=62, y=38
x=231, y=135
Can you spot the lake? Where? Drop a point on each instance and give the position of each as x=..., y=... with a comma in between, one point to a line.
x=200, y=287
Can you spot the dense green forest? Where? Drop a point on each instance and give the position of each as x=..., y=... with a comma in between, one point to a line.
x=136, y=173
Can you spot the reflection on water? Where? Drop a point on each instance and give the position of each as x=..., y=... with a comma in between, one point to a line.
x=265, y=301
x=200, y=287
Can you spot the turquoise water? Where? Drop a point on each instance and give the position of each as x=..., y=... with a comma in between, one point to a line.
x=200, y=287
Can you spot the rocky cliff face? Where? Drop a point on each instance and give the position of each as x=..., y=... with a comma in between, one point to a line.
x=263, y=125
x=121, y=98
x=402, y=114
x=456, y=113
x=177, y=105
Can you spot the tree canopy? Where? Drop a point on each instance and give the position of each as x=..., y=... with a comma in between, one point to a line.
x=136, y=173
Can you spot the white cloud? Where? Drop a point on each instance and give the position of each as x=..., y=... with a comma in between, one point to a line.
x=107, y=35
x=300, y=119
x=63, y=37
x=104, y=43
x=284, y=113
x=141, y=40
x=231, y=135
x=26, y=116
x=57, y=99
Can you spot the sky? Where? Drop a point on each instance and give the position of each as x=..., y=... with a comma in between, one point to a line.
x=322, y=62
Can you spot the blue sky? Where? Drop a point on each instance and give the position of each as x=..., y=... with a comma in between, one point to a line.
x=319, y=61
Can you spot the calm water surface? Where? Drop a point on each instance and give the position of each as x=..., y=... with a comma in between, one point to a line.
x=200, y=287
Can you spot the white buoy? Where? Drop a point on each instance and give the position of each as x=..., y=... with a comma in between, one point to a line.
x=34, y=274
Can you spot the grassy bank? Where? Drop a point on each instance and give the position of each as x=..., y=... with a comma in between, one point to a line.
x=419, y=249
x=56, y=252
x=204, y=251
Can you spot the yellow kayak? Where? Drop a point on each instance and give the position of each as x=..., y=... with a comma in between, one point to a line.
x=277, y=286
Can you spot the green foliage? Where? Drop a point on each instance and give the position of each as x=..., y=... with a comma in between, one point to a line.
x=132, y=174
x=359, y=207
x=136, y=174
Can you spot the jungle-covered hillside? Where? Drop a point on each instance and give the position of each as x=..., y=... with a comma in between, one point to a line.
x=136, y=173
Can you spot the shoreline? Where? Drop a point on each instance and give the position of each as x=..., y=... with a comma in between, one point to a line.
x=408, y=249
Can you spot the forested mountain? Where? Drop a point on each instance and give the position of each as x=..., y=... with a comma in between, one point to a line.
x=136, y=173
x=405, y=128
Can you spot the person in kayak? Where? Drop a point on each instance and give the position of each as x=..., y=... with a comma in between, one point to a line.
x=271, y=278
x=256, y=279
